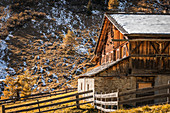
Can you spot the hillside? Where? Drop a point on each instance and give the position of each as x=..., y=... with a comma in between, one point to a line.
x=32, y=37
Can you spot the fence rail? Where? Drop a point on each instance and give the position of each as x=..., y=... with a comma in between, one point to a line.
x=105, y=102
x=38, y=95
x=76, y=95
x=102, y=103
x=101, y=100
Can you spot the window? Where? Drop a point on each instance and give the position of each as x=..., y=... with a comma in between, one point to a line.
x=124, y=51
x=103, y=59
x=118, y=54
x=111, y=56
x=81, y=86
x=88, y=87
x=114, y=55
x=107, y=57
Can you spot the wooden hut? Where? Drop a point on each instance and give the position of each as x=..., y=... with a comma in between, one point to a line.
x=132, y=52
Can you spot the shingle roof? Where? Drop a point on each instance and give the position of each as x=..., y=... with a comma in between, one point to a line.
x=141, y=23
x=101, y=68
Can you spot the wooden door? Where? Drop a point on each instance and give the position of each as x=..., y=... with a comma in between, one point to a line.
x=145, y=82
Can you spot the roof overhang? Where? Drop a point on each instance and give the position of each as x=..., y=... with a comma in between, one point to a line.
x=101, y=68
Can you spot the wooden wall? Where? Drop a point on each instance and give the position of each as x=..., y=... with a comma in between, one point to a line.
x=112, y=50
x=145, y=56
x=152, y=56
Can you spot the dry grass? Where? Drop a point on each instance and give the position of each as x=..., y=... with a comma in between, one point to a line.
x=147, y=109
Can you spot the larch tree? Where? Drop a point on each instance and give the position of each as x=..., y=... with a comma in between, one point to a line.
x=148, y=6
x=21, y=85
x=69, y=40
x=113, y=4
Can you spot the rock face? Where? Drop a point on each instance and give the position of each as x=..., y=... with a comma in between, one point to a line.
x=35, y=43
x=3, y=65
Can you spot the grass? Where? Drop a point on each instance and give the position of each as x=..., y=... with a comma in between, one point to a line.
x=147, y=109
x=88, y=108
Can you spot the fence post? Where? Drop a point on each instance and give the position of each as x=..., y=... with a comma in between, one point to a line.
x=77, y=101
x=95, y=105
x=101, y=101
x=38, y=106
x=117, y=99
x=112, y=100
x=3, y=108
x=105, y=101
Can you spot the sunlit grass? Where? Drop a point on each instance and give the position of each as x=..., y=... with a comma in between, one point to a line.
x=147, y=109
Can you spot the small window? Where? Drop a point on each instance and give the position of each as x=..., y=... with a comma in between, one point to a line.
x=107, y=57
x=81, y=86
x=118, y=54
x=114, y=55
x=111, y=56
x=87, y=87
x=103, y=59
x=124, y=51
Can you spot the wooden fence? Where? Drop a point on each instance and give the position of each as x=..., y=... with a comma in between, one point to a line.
x=76, y=95
x=37, y=95
x=104, y=102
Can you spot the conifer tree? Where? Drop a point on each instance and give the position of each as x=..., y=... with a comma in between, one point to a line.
x=113, y=4
x=21, y=85
x=69, y=40
x=89, y=8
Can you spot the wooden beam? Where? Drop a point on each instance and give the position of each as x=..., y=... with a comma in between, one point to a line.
x=44, y=101
x=120, y=40
x=146, y=98
x=110, y=95
x=54, y=104
x=106, y=103
x=141, y=40
x=137, y=46
x=145, y=90
x=148, y=35
x=154, y=47
x=151, y=55
x=165, y=47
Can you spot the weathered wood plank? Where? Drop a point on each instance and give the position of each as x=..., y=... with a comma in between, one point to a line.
x=54, y=104
x=105, y=110
x=138, y=91
x=44, y=101
x=106, y=103
x=137, y=47
x=110, y=95
x=146, y=98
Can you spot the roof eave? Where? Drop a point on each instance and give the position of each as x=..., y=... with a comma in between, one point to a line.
x=114, y=63
x=99, y=34
x=149, y=35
